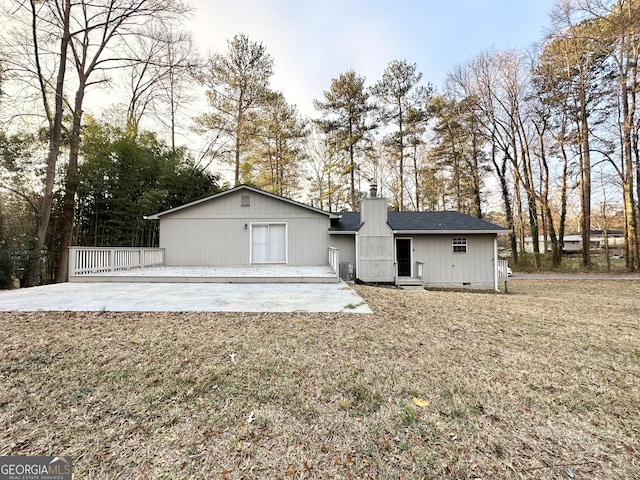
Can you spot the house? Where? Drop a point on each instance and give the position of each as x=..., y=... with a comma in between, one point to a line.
x=599, y=240
x=247, y=226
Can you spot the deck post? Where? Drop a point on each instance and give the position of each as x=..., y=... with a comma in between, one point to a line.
x=502, y=274
x=334, y=260
x=72, y=262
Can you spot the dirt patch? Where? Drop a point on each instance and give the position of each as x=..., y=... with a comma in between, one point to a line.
x=542, y=383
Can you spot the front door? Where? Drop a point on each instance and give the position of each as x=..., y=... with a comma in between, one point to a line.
x=403, y=256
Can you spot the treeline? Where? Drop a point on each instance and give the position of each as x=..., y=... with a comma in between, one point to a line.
x=541, y=135
x=550, y=130
x=120, y=180
x=65, y=179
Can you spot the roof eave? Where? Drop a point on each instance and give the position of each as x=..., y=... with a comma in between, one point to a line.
x=157, y=216
x=447, y=232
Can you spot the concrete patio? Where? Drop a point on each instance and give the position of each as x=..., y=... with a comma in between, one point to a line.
x=185, y=297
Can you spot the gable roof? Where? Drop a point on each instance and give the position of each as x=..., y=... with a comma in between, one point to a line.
x=156, y=216
x=421, y=222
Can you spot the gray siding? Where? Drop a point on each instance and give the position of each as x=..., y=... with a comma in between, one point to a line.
x=443, y=268
x=213, y=233
x=374, y=243
x=347, y=245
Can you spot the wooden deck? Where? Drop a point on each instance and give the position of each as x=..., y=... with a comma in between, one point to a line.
x=239, y=274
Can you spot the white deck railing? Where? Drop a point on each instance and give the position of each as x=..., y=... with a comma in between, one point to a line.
x=334, y=259
x=419, y=273
x=89, y=260
x=502, y=270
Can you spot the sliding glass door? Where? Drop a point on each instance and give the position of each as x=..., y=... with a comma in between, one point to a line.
x=269, y=243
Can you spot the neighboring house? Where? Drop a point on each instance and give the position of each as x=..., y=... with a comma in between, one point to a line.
x=598, y=240
x=247, y=226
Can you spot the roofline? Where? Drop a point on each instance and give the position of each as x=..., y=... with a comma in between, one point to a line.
x=426, y=232
x=447, y=232
x=156, y=216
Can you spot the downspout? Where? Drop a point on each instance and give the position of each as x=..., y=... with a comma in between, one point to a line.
x=357, y=240
x=495, y=261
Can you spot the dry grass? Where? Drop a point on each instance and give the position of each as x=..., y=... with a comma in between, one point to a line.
x=542, y=383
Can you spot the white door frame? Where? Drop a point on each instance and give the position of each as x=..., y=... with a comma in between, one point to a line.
x=286, y=242
x=395, y=254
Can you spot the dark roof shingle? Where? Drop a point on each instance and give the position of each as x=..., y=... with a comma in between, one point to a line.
x=421, y=222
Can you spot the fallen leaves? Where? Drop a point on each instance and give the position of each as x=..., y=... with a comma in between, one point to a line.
x=420, y=402
x=326, y=396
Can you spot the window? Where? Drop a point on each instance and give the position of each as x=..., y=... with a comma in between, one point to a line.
x=459, y=244
x=245, y=200
x=269, y=243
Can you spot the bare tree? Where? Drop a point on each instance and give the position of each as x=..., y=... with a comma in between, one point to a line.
x=40, y=61
x=158, y=80
x=96, y=35
x=72, y=45
x=579, y=61
x=327, y=187
x=613, y=29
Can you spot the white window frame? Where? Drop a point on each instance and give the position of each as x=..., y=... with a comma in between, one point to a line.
x=459, y=242
x=286, y=243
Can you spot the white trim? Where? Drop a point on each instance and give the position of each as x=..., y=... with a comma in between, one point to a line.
x=395, y=255
x=495, y=262
x=448, y=232
x=356, y=239
x=454, y=245
x=286, y=243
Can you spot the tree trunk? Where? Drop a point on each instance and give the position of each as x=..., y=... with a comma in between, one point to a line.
x=475, y=177
x=585, y=182
x=631, y=152
x=352, y=179
x=501, y=172
x=416, y=176
x=401, y=156
x=55, y=135
x=71, y=187
x=557, y=254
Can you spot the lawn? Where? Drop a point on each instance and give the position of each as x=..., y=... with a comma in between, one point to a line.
x=541, y=383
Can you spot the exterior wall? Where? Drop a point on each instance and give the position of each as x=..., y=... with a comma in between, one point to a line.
x=374, y=243
x=443, y=268
x=347, y=245
x=214, y=234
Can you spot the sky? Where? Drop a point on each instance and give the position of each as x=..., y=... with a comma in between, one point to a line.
x=314, y=41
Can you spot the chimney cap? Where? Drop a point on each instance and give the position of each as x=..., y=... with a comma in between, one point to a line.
x=373, y=190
